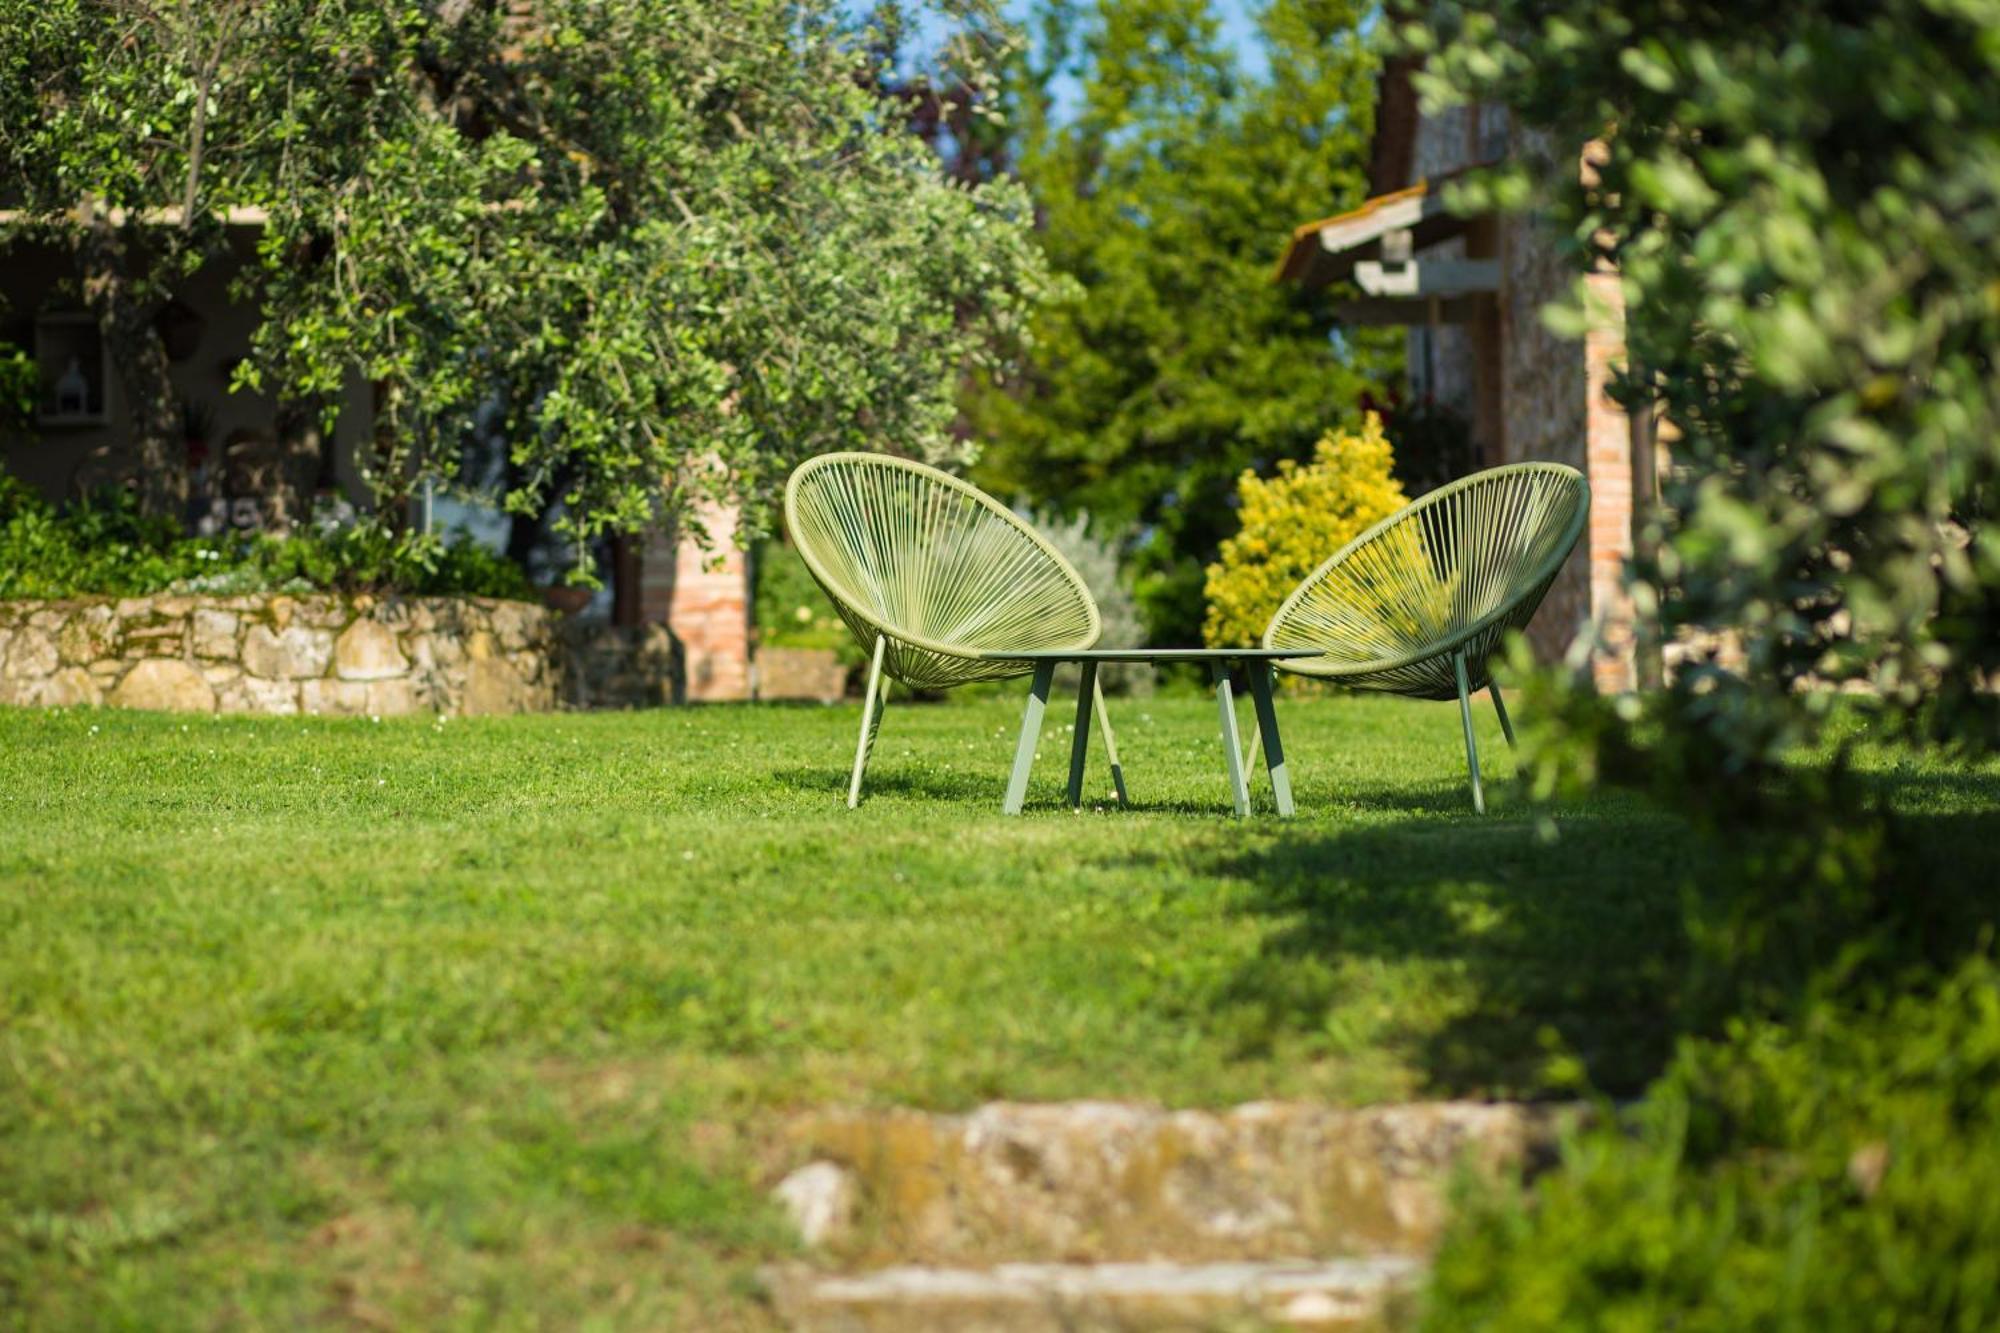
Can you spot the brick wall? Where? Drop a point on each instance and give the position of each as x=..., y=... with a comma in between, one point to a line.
x=703, y=600
x=1608, y=450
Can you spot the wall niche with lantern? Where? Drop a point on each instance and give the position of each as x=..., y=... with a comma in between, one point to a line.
x=69, y=353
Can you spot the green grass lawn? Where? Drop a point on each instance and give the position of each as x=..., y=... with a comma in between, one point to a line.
x=494, y=1022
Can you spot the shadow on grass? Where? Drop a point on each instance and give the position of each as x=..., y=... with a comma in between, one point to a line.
x=1577, y=944
x=886, y=779
x=1574, y=943
x=986, y=791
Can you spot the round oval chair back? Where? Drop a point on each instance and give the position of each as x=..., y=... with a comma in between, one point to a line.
x=1417, y=604
x=930, y=574
x=935, y=569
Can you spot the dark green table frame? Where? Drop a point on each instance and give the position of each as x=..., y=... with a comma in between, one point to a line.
x=1256, y=666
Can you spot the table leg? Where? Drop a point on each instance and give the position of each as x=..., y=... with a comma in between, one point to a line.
x=1110, y=747
x=1267, y=727
x=1079, y=745
x=1031, y=735
x=1225, y=702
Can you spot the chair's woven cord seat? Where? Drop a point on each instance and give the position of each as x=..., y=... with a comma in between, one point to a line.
x=1450, y=573
x=939, y=569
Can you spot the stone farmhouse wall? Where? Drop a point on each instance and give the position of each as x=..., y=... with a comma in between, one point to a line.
x=319, y=654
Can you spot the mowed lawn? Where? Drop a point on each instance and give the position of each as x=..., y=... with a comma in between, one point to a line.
x=497, y=1023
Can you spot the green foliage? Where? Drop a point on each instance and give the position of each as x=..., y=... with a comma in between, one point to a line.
x=1176, y=362
x=107, y=547
x=1292, y=523
x=791, y=609
x=1098, y=558
x=1839, y=1174
x=17, y=386
x=1803, y=204
x=680, y=244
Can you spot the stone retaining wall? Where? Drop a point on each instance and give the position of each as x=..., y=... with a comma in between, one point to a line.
x=320, y=654
x=619, y=666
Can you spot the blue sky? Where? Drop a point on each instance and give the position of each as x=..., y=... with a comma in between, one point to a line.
x=1238, y=19
x=1239, y=29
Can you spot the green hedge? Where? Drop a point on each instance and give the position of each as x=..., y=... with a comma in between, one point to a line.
x=104, y=547
x=1834, y=1174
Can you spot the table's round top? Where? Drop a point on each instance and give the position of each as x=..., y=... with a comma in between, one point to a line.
x=1150, y=654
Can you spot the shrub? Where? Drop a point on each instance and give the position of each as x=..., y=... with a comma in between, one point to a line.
x=17, y=386
x=1838, y=1174
x=1095, y=558
x=106, y=547
x=1292, y=522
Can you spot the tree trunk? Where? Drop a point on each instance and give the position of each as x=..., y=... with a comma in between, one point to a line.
x=135, y=353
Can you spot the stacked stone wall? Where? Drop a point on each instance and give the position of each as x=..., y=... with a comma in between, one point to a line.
x=320, y=654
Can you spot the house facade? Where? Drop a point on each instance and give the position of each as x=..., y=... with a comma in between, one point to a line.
x=1470, y=291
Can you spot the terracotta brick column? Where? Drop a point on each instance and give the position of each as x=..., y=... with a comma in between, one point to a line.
x=1608, y=464
x=703, y=599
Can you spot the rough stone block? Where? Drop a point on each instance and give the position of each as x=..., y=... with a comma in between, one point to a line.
x=90, y=632
x=493, y=688
x=334, y=698
x=32, y=653
x=1360, y=1294
x=156, y=637
x=70, y=687
x=215, y=633
x=512, y=623
x=248, y=694
x=164, y=684
x=367, y=650
x=1110, y=1181
x=392, y=698
x=292, y=653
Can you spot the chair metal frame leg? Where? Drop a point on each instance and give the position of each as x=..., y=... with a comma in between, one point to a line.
x=1267, y=732
x=1110, y=744
x=1506, y=724
x=871, y=722
x=1471, y=746
x=1031, y=735
x=1079, y=742
x=1225, y=702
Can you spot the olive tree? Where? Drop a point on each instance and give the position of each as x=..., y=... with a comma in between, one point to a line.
x=675, y=244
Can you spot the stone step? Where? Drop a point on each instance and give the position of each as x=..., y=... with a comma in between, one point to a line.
x=1344, y=1295
x=1113, y=1182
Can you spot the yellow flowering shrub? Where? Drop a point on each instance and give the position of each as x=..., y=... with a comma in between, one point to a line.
x=1292, y=522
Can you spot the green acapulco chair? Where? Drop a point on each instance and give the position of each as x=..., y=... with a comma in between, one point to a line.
x=1417, y=604
x=930, y=574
